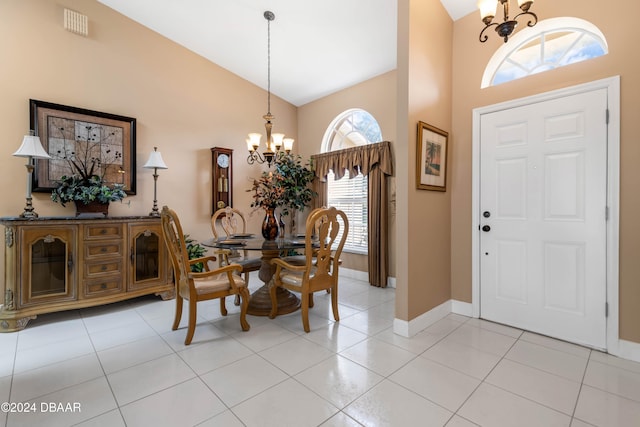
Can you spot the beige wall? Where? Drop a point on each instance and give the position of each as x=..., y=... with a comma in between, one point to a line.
x=378, y=97
x=425, y=34
x=184, y=105
x=469, y=60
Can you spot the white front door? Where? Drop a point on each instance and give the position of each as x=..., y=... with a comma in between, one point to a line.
x=543, y=193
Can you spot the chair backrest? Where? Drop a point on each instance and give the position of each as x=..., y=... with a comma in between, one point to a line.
x=174, y=239
x=324, y=243
x=231, y=220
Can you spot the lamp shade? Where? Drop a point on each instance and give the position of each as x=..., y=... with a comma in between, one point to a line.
x=487, y=8
x=31, y=147
x=155, y=160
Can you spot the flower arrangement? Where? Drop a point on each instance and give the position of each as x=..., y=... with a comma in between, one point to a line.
x=89, y=162
x=268, y=191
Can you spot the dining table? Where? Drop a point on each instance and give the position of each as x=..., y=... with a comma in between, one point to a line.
x=260, y=300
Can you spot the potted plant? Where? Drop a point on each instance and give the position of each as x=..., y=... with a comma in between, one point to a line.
x=296, y=180
x=89, y=162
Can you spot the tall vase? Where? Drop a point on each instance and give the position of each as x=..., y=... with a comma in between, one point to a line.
x=270, y=225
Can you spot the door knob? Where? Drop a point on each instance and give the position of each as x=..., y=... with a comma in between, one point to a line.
x=486, y=228
x=486, y=214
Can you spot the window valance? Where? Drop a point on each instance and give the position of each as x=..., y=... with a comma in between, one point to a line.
x=356, y=159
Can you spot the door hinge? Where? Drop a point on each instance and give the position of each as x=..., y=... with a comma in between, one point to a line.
x=606, y=309
x=606, y=213
x=607, y=118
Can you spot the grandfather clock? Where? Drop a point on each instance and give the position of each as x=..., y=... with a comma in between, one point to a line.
x=222, y=167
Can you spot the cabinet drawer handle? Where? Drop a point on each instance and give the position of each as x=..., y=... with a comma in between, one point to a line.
x=103, y=231
x=103, y=268
x=103, y=286
x=103, y=249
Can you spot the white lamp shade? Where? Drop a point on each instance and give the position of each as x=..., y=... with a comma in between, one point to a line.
x=254, y=139
x=288, y=144
x=31, y=147
x=487, y=8
x=277, y=140
x=155, y=161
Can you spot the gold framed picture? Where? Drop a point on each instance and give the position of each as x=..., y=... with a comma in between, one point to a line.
x=70, y=134
x=431, y=158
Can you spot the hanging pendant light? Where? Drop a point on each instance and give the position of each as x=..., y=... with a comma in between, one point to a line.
x=505, y=28
x=274, y=142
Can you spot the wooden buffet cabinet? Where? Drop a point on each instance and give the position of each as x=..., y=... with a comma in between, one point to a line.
x=54, y=264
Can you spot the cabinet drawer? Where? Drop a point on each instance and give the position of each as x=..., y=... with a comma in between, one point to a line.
x=103, y=231
x=95, y=269
x=102, y=249
x=107, y=285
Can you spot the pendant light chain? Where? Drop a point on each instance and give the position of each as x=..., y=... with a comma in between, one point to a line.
x=268, y=64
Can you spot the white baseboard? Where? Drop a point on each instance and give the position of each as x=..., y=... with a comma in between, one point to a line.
x=410, y=328
x=364, y=276
x=627, y=350
x=462, y=308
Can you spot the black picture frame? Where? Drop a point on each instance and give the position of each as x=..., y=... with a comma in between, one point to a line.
x=46, y=119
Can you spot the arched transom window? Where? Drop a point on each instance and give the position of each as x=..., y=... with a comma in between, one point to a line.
x=552, y=43
x=350, y=129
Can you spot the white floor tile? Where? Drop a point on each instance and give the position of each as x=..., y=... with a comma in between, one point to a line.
x=109, y=419
x=416, y=344
x=604, y=409
x=339, y=380
x=495, y=327
x=482, y=339
x=547, y=389
x=336, y=337
x=287, y=404
x=185, y=404
x=555, y=344
x=446, y=387
x=548, y=360
x=463, y=358
x=124, y=356
x=389, y=404
x=492, y=406
x=147, y=378
x=71, y=405
x=56, y=376
x=613, y=380
x=307, y=354
x=378, y=356
x=341, y=420
x=243, y=379
x=225, y=419
x=214, y=354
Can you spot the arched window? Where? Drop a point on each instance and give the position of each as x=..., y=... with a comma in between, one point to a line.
x=351, y=128
x=552, y=43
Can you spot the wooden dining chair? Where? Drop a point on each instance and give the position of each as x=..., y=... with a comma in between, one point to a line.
x=322, y=260
x=229, y=222
x=196, y=287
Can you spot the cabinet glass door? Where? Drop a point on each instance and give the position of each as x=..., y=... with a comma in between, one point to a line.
x=147, y=256
x=47, y=266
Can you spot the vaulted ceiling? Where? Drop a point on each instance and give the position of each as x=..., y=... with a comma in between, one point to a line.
x=317, y=48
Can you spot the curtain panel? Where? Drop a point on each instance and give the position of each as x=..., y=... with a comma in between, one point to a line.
x=375, y=161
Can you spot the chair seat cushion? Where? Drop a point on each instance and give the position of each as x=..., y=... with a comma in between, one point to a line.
x=293, y=278
x=249, y=264
x=216, y=283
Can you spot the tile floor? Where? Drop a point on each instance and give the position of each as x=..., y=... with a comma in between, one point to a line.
x=124, y=366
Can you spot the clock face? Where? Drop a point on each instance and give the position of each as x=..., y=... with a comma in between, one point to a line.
x=223, y=160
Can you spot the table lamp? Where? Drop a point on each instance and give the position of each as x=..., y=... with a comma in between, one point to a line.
x=31, y=148
x=155, y=162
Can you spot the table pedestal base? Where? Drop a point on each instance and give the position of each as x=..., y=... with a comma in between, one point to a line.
x=260, y=302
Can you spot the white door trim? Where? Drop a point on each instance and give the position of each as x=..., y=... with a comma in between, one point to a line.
x=612, y=85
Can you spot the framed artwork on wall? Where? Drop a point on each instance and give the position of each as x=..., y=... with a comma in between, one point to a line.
x=431, y=158
x=70, y=133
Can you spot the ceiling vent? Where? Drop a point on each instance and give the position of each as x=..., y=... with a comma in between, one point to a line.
x=76, y=22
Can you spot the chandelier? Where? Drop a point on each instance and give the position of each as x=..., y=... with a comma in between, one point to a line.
x=275, y=142
x=505, y=28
